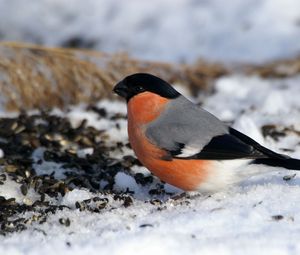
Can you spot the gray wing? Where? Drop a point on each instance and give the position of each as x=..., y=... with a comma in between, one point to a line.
x=184, y=123
x=185, y=130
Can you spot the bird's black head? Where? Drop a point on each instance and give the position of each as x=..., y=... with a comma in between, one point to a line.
x=141, y=82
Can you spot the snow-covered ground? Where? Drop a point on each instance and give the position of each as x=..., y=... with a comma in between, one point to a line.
x=172, y=30
x=259, y=216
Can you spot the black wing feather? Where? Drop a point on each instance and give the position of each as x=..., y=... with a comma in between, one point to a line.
x=246, y=139
x=234, y=145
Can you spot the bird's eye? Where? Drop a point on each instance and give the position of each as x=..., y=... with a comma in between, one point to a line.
x=139, y=89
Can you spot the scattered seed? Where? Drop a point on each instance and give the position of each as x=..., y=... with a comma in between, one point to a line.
x=277, y=217
x=10, y=168
x=24, y=189
x=156, y=202
x=22, y=135
x=272, y=130
x=146, y=225
x=2, y=177
x=289, y=177
x=259, y=203
x=65, y=221
x=19, y=129
x=128, y=201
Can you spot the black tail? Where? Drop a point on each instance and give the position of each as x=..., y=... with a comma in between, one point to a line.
x=268, y=157
x=288, y=163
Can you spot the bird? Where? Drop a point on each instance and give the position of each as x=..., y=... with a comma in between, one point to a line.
x=186, y=146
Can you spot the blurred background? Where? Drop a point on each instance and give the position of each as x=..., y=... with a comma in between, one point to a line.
x=183, y=41
x=252, y=31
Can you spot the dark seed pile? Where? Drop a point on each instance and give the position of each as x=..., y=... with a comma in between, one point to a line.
x=22, y=135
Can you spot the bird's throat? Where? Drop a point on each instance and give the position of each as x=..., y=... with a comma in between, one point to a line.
x=145, y=107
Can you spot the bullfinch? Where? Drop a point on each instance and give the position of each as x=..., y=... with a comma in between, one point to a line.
x=186, y=146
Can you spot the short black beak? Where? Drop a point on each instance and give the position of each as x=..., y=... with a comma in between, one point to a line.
x=121, y=89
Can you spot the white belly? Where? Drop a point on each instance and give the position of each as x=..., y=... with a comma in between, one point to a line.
x=230, y=172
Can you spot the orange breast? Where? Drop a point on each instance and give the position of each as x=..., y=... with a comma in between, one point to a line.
x=185, y=174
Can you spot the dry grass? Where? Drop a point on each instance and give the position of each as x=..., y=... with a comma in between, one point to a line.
x=36, y=77
x=39, y=77
x=276, y=69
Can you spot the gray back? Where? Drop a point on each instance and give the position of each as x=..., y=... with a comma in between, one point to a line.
x=186, y=123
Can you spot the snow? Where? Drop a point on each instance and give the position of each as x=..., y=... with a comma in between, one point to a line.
x=124, y=181
x=76, y=195
x=11, y=189
x=258, y=216
x=46, y=167
x=84, y=152
x=241, y=220
x=216, y=30
x=252, y=102
x=229, y=223
x=77, y=113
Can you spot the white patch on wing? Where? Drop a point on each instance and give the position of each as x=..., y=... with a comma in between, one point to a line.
x=188, y=151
